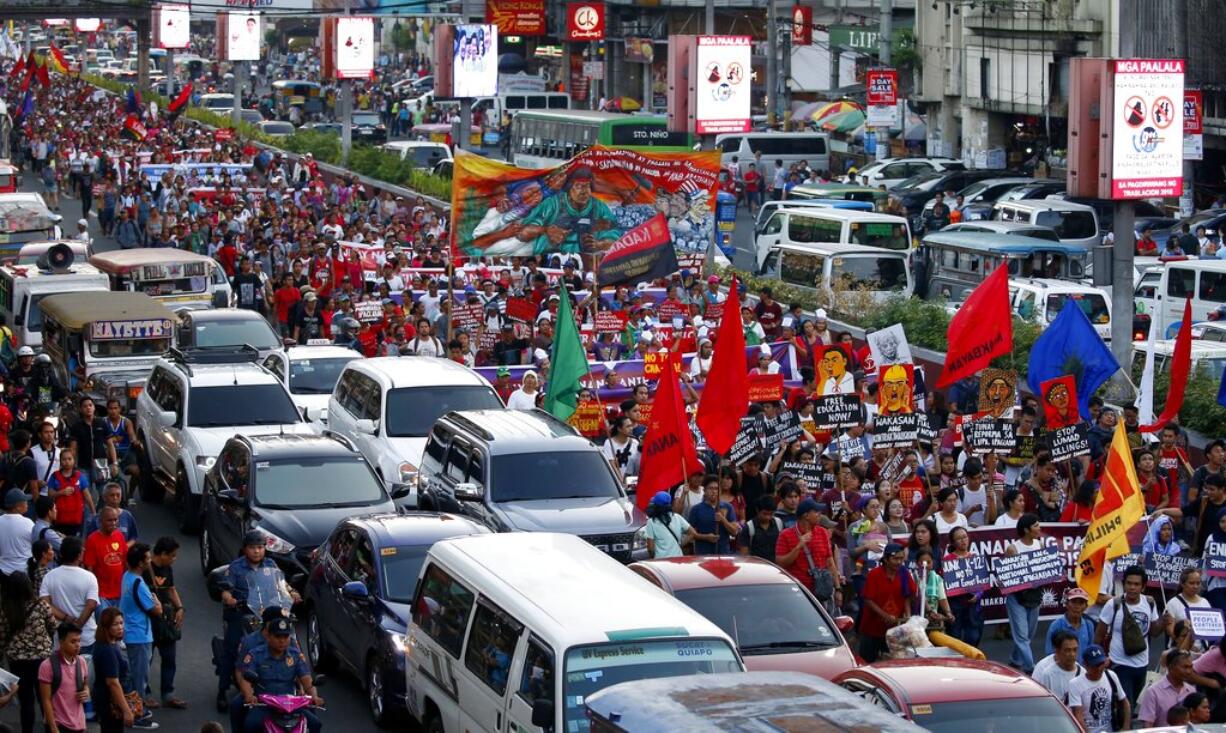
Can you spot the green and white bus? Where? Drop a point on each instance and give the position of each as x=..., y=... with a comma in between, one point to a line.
x=545, y=139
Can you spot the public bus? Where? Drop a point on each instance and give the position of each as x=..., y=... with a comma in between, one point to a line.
x=545, y=139
x=958, y=261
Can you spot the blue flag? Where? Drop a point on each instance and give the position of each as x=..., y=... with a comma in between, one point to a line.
x=27, y=105
x=1070, y=345
x=1221, y=391
x=132, y=103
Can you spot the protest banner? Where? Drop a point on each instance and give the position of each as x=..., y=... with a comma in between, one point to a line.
x=469, y=317
x=1028, y=570
x=521, y=309
x=895, y=431
x=610, y=321
x=1215, y=558
x=764, y=387
x=783, y=428
x=653, y=362
x=714, y=313
x=810, y=473
x=988, y=435
x=670, y=310
x=588, y=419
x=836, y=411
x=368, y=311
x=1207, y=623
x=748, y=441
x=1068, y=442
x=966, y=575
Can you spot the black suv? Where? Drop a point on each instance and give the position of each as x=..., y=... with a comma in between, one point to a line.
x=527, y=471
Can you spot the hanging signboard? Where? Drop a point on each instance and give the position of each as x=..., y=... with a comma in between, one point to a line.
x=723, y=84
x=1147, y=124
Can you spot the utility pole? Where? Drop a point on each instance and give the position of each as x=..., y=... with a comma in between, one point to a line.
x=344, y=103
x=772, y=62
x=240, y=83
x=883, y=44
x=710, y=18
x=144, y=32
x=1122, y=308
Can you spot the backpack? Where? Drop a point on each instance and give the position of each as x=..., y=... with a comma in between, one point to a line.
x=751, y=525
x=1133, y=636
x=57, y=674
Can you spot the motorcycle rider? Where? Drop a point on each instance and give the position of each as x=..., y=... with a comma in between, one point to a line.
x=237, y=574
x=347, y=334
x=276, y=669
x=44, y=387
x=22, y=374
x=251, y=641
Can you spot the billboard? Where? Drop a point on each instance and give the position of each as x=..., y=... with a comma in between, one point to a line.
x=354, y=47
x=242, y=39
x=86, y=25
x=1193, y=112
x=1147, y=127
x=585, y=21
x=802, y=25
x=881, y=87
x=516, y=17
x=584, y=205
x=474, y=61
x=170, y=26
x=723, y=83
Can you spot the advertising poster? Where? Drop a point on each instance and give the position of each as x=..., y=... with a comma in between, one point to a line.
x=802, y=25
x=474, y=67
x=243, y=37
x=640, y=51
x=1147, y=150
x=723, y=84
x=881, y=87
x=585, y=21
x=86, y=25
x=170, y=26
x=516, y=17
x=355, y=47
x=584, y=205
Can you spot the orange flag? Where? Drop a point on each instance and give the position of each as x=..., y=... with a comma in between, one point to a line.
x=1118, y=506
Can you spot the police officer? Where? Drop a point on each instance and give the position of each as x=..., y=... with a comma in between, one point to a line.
x=276, y=669
x=252, y=641
x=238, y=573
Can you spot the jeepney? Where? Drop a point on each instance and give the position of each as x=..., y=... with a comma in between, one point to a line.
x=106, y=343
x=307, y=95
x=177, y=278
x=24, y=217
x=10, y=177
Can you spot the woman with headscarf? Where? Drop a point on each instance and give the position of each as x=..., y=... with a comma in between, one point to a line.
x=1160, y=539
x=1215, y=591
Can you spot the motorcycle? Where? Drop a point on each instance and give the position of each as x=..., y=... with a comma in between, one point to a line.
x=286, y=715
x=266, y=588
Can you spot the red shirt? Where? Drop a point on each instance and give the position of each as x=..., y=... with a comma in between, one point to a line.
x=819, y=547
x=68, y=509
x=889, y=594
x=285, y=298
x=1074, y=512
x=105, y=558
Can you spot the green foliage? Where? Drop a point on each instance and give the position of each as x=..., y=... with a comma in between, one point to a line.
x=326, y=147
x=1200, y=411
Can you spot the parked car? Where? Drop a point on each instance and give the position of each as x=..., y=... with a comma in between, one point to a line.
x=890, y=172
x=225, y=330
x=275, y=128
x=359, y=593
x=777, y=623
x=368, y=127
x=916, y=194
x=958, y=695
x=1036, y=189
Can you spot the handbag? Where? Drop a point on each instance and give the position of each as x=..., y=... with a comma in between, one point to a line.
x=823, y=581
x=135, y=704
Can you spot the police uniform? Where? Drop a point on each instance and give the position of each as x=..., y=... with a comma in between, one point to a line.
x=237, y=575
x=274, y=675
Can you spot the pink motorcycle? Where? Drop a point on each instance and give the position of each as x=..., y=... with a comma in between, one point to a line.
x=285, y=714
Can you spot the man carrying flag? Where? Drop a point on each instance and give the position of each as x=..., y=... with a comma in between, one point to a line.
x=1118, y=506
x=178, y=104
x=567, y=360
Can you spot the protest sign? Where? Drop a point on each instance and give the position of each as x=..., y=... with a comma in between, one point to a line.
x=521, y=309
x=671, y=309
x=966, y=575
x=997, y=392
x=764, y=387
x=748, y=441
x=368, y=311
x=588, y=419
x=783, y=428
x=1068, y=442
x=713, y=314
x=895, y=431
x=1215, y=558
x=1207, y=623
x=927, y=433
x=468, y=317
x=848, y=448
x=1165, y=570
x=989, y=435
x=653, y=362
x=1028, y=570
x=810, y=473
x=836, y=411
x=610, y=321
x=894, y=467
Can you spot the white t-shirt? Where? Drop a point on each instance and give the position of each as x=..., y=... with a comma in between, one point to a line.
x=969, y=499
x=1178, y=606
x=1094, y=699
x=1049, y=674
x=69, y=587
x=15, y=532
x=1005, y=521
x=431, y=304
x=1145, y=613
x=944, y=527
x=689, y=499
x=625, y=456
x=521, y=400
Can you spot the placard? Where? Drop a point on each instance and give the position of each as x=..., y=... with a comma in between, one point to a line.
x=1161, y=571
x=474, y=61
x=1147, y=128
x=671, y=310
x=723, y=84
x=1028, y=569
x=965, y=575
x=1068, y=442
x=989, y=435
x=354, y=47
x=610, y=321
x=889, y=346
x=895, y=431
x=521, y=309
x=714, y=313
x=894, y=468
x=653, y=364
x=997, y=393
x=810, y=473
x=588, y=419
x=1215, y=558
x=782, y=428
x=765, y=387
x=748, y=441
x=368, y=311
x=1207, y=623
x=836, y=411
x=848, y=448
x=469, y=316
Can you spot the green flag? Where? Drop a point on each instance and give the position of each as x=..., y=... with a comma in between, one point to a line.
x=567, y=363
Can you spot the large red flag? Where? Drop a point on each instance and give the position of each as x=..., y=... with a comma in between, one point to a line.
x=1181, y=367
x=18, y=67
x=725, y=397
x=981, y=330
x=668, y=444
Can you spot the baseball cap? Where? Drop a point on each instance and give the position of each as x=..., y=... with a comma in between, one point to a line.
x=662, y=498
x=1094, y=656
x=13, y=497
x=806, y=506
x=893, y=548
x=310, y=295
x=1076, y=593
x=271, y=614
x=504, y=371
x=714, y=279
x=280, y=627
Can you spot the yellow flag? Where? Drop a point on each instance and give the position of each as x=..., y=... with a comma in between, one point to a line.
x=1118, y=506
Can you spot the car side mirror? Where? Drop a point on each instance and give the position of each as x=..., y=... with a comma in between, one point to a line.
x=542, y=713
x=468, y=492
x=370, y=427
x=166, y=418
x=844, y=624
x=356, y=590
x=400, y=491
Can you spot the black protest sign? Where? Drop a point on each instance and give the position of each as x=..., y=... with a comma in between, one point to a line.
x=896, y=431
x=1068, y=442
x=894, y=466
x=1164, y=570
x=966, y=575
x=782, y=428
x=836, y=411
x=989, y=435
x=1215, y=558
x=927, y=433
x=1029, y=569
x=810, y=473
x=748, y=441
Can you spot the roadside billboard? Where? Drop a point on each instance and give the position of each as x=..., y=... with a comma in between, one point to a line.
x=723, y=84
x=1147, y=125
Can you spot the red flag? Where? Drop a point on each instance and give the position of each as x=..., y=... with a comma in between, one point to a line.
x=181, y=100
x=725, y=397
x=44, y=78
x=18, y=67
x=1181, y=367
x=981, y=330
x=668, y=444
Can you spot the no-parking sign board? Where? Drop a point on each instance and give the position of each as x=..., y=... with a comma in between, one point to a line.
x=1147, y=125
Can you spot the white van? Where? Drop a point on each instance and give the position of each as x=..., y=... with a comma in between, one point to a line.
x=513, y=102
x=831, y=226
x=1163, y=290
x=1075, y=224
x=840, y=272
x=22, y=288
x=789, y=147
x=1042, y=299
x=513, y=631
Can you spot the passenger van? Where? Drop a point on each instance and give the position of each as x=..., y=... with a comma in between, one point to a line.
x=789, y=147
x=513, y=631
x=957, y=262
x=512, y=102
x=1041, y=300
x=770, y=207
x=843, y=191
x=23, y=287
x=1204, y=281
x=838, y=272
x=832, y=226
x=1075, y=224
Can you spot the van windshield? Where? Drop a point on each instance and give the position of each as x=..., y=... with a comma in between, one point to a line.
x=590, y=669
x=873, y=274
x=1068, y=224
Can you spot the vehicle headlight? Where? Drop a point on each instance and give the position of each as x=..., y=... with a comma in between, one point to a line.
x=408, y=473
x=640, y=542
x=206, y=462
x=399, y=642
x=273, y=543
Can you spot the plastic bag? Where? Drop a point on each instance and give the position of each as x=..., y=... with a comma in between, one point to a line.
x=905, y=638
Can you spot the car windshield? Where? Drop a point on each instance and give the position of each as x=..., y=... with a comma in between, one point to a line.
x=590, y=669
x=425, y=156
x=255, y=332
x=365, y=119
x=240, y=404
x=411, y=411
x=922, y=182
x=770, y=618
x=316, y=376
x=1018, y=715
x=1094, y=305
x=399, y=567
x=335, y=481
x=571, y=475
x=278, y=128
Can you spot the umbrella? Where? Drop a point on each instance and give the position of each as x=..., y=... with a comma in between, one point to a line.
x=845, y=121
x=806, y=109
x=833, y=108
x=624, y=104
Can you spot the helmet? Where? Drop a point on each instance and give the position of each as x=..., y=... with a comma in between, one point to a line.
x=42, y=358
x=350, y=324
x=662, y=498
x=25, y=351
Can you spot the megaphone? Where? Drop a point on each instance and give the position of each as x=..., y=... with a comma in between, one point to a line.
x=57, y=259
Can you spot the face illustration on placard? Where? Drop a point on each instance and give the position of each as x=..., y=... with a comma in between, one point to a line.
x=895, y=389
x=997, y=390
x=1060, y=406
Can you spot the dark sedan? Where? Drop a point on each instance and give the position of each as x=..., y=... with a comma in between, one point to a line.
x=368, y=128
x=358, y=597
